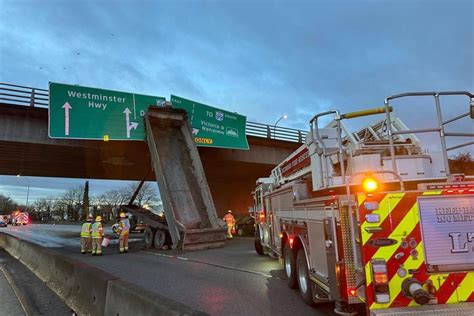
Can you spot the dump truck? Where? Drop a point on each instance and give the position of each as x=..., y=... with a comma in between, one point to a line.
x=190, y=221
x=369, y=219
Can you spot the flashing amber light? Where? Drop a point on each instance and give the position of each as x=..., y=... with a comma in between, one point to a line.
x=370, y=185
x=291, y=240
x=280, y=235
x=262, y=217
x=380, y=278
x=352, y=291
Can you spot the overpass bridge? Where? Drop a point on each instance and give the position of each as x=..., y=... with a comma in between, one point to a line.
x=26, y=149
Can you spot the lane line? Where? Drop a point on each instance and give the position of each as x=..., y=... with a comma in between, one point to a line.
x=213, y=264
x=18, y=293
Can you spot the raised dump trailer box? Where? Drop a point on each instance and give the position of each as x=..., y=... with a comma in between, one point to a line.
x=191, y=217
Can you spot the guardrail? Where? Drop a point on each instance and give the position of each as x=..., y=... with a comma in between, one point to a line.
x=39, y=98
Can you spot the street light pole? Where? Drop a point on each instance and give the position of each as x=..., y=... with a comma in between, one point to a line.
x=283, y=117
x=27, y=190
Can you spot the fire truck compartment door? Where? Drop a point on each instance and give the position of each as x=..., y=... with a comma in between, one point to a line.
x=447, y=224
x=317, y=248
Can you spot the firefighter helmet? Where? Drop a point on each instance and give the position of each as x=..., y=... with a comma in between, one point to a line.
x=122, y=215
x=98, y=219
x=90, y=218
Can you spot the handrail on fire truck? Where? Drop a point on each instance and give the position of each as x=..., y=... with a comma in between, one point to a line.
x=441, y=124
x=314, y=130
x=393, y=128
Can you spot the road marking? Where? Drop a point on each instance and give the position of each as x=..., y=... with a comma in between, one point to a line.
x=213, y=264
x=18, y=293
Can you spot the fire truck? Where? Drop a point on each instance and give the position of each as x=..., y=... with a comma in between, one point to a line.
x=369, y=219
x=20, y=218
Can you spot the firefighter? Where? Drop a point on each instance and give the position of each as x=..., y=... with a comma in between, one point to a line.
x=230, y=222
x=123, y=230
x=86, y=239
x=97, y=235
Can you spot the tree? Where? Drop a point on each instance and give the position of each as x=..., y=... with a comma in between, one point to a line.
x=85, y=201
x=462, y=163
x=7, y=205
x=44, y=207
x=110, y=200
x=146, y=195
x=71, y=202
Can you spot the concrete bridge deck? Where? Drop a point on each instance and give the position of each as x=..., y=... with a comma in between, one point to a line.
x=26, y=149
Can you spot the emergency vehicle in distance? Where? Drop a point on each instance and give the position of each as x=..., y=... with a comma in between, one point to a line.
x=20, y=218
x=369, y=220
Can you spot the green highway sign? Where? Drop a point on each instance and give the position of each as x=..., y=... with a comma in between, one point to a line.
x=78, y=112
x=213, y=127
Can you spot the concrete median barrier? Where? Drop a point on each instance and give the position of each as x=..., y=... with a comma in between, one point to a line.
x=143, y=302
x=89, y=292
x=86, y=289
x=60, y=278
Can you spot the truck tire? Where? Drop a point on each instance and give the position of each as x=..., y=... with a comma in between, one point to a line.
x=258, y=244
x=159, y=239
x=304, y=282
x=148, y=237
x=289, y=263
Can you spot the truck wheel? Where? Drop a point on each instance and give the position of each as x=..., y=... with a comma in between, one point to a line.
x=258, y=244
x=159, y=239
x=304, y=281
x=290, y=266
x=148, y=237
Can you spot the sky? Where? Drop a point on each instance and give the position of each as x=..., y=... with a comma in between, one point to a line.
x=261, y=59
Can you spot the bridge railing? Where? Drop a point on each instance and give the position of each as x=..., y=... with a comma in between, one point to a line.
x=22, y=95
x=35, y=97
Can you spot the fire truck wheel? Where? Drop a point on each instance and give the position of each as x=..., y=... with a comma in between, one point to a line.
x=148, y=237
x=290, y=266
x=258, y=244
x=304, y=282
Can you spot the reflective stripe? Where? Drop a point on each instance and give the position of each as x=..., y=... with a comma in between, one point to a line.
x=399, y=220
x=97, y=230
x=229, y=219
x=86, y=229
x=124, y=226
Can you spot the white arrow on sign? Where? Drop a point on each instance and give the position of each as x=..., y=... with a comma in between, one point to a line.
x=66, y=108
x=195, y=131
x=128, y=125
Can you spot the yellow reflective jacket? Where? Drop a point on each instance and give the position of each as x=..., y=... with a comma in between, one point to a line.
x=124, y=226
x=86, y=230
x=97, y=230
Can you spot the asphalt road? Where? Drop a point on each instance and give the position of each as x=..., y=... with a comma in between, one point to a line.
x=232, y=280
x=18, y=284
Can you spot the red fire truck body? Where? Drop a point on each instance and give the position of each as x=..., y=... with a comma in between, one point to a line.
x=371, y=221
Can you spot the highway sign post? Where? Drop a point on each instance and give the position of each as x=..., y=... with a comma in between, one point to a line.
x=78, y=112
x=213, y=127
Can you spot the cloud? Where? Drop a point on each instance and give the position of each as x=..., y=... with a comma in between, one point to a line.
x=261, y=59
